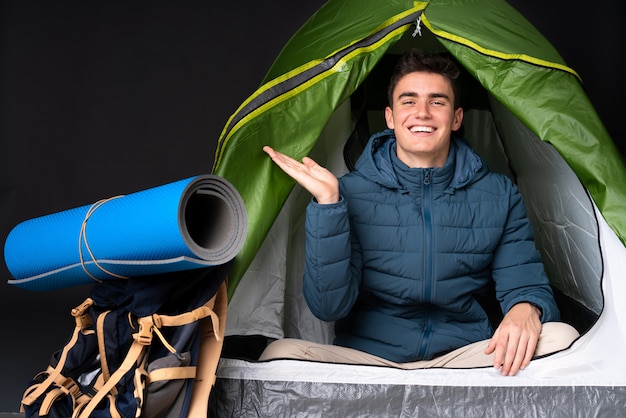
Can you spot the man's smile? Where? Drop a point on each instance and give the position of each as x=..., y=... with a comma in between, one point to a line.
x=427, y=129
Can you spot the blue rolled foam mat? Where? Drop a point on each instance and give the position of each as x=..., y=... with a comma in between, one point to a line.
x=197, y=222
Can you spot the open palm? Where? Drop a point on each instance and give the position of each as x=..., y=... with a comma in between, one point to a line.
x=320, y=182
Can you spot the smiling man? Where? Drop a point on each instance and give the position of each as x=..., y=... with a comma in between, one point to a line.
x=400, y=251
x=423, y=114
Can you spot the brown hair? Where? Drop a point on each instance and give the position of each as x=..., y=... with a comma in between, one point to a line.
x=413, y=60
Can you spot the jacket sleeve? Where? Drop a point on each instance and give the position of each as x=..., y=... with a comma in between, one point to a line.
x=518, y=272
x=332, y=267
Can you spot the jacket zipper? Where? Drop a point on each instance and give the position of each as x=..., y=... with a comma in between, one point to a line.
x=428, y=261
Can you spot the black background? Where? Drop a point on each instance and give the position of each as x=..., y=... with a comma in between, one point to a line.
x=105, y=98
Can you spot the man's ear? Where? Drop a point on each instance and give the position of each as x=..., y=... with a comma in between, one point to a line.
x=458, y=119
x=389, y=117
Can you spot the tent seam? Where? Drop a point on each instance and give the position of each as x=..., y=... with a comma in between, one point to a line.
x=501, y=55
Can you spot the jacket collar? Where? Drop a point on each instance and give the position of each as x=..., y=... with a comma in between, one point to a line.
x=376, y=163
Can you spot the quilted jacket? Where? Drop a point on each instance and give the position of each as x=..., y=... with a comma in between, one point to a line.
x=401, y=261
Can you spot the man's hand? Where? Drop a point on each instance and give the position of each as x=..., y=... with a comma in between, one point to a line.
x=320, y=182
x=516, y=338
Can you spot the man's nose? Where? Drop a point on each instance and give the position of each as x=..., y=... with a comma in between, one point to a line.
x=422, y=109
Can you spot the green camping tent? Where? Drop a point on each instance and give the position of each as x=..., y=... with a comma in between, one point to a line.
x=526, y=113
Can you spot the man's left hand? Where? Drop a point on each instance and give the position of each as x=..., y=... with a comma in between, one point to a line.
x=516, y=338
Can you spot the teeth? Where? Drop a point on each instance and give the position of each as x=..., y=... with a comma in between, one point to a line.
x=421, y=129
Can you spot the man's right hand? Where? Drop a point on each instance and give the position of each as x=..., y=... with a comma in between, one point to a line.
x=320, y=182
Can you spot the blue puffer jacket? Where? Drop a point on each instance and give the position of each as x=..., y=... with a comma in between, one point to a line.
x=400, y=261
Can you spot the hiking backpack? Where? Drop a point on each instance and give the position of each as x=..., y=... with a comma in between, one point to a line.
x=144, y=346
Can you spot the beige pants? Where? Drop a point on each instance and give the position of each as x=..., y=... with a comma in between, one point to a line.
x=554, y=336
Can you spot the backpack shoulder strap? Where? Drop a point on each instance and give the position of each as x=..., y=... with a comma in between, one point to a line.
x=137, y=349
x=83, y=323
x=211, y=342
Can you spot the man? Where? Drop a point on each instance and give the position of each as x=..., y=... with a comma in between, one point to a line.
x=399, y=251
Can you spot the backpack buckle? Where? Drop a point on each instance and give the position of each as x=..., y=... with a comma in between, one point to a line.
x=81, y=314
x=72, y=387
x=144, y=335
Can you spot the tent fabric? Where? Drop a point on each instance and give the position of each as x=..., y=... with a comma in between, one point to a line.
x=192, y=223
x=560, y=210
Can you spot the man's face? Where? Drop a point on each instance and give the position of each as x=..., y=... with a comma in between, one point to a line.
x=423, y=117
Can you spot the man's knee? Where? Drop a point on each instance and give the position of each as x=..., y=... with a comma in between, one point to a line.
x=284, y=348
x=555, y=336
